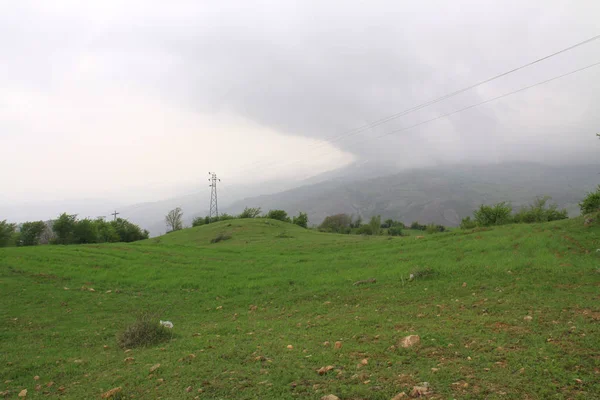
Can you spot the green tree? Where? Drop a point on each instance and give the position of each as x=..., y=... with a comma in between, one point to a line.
x=301, y=220
x=540, y=211
x=6, y=233
x=64, y=228
x=279, y=215
x=339, y=223
x=107, y=233
x=128, y=232
x=31, y=233
x=467, y=223
x=375, y=224
x=174, y=220
x=250, y=212
x=86, y=231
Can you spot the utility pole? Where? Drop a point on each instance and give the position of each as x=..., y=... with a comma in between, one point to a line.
x=115, y=214
x=214, y=207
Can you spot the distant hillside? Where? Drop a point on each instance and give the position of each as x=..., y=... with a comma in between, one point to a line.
x=438, y=195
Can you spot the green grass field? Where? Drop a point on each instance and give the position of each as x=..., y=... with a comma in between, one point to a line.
x=237, y=305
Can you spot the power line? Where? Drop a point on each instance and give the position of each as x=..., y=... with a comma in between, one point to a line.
x=465, y=108
x=334, y=139
x=115, y=214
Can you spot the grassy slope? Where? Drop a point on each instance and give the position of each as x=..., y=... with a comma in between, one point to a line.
x=301, y=282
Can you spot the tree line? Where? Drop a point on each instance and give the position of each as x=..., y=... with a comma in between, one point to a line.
x=68, y=229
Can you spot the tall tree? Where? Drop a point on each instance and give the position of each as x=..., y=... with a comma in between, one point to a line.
x=6, y=233
x=31, y=233
x=174, y=219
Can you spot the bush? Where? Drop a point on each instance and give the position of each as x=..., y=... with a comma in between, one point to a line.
x=250, y=212
x=86, y=231
x=591, y=203
x=223, y=217
x=339, y=223
x=365, y=230
x=301, y=220
x=498, y=214
x=395, y=231
x=467, y=223
x=433, y=228
x=220, y=237
x=279, y=215
x=145, y=331
x=418, y=227
x=6, y=233
x=199, y=221
x=540, y=212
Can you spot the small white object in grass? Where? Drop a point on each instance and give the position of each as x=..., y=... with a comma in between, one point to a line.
x=167, y=324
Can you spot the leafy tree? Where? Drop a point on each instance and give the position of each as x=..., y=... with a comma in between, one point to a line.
x=128, y=232
x=339, y=223
x=388, y=223
x=199, y=221
x=174, y=219
x=375, y=224
x=64, y=228
x=6, y=233
x=107, y=233
x=250, y=212
x=279, y=215
x=31, y=233
x=498, y=214
x=365, y=229
x=86, y=231
x=591, y=203
x=301, y=220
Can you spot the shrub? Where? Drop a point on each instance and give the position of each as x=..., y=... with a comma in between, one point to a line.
x=339, y=223
x=395, y=231
x=467, y=223
x=127, y=231
x=223, y=217
x=498, y=214
x=433, y=228
x=591, y=203
x=540, y=212
x=199, y=221
x=220, y=237
x=365, y=230
x=418, y=227
x=301, y=220
x=357, y=223
x=422, y=273
x=279, y=215
x=145, y=331
x=250, y=212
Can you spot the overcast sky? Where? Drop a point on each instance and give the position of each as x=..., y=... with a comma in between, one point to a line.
x=135, y=100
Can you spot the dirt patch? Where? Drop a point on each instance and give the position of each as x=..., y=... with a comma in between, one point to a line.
x=504, y=327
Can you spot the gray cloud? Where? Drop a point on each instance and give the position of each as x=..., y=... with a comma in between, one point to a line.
x=318, y=69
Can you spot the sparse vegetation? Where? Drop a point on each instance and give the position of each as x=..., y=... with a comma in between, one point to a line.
x=220, y=237
x=145, y=331
x=250, y=212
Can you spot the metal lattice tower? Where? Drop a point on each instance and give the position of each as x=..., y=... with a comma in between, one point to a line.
x=214, y=206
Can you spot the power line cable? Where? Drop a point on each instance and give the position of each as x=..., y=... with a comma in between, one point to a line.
x=355, y=131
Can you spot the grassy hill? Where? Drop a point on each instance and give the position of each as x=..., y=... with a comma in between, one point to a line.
x=256, y=311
